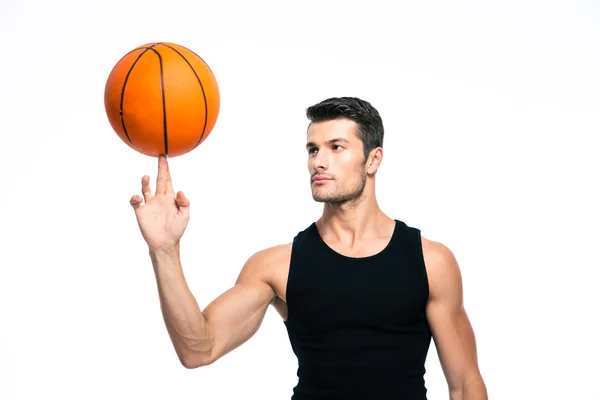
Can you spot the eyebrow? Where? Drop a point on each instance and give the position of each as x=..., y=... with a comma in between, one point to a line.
x=331, y=141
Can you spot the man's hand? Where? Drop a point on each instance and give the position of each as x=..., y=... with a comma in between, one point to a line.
x=164, y=216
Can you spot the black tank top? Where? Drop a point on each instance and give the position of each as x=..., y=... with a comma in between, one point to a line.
x=358, y=325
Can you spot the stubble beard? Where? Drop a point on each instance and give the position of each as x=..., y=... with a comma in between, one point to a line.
x=337, y=195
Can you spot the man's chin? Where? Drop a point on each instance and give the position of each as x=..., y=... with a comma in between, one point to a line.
x=319, y=199
x=325, y=199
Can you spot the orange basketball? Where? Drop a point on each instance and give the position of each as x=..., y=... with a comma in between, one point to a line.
x=162, y=99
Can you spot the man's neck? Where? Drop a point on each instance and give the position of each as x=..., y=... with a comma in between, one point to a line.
x=355, y=220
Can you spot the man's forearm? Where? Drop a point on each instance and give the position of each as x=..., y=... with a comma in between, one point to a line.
x=473, y=389
x=183, y=318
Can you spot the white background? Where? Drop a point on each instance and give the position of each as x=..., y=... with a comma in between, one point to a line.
x=492, y=116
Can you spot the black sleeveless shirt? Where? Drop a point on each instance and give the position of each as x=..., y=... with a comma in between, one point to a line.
x=358, y=325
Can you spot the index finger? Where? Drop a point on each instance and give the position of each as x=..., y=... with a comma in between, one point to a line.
x=164, y=185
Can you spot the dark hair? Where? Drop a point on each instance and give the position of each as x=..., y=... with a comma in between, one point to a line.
x=370, y=125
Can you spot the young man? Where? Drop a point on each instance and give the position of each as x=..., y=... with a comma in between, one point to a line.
x=361, y=294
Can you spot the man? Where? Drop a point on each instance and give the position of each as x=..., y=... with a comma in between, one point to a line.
x=361, y=294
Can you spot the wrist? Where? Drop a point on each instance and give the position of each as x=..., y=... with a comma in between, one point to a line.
x=165, y=252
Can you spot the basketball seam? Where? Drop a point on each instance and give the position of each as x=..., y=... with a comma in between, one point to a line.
x=123, y=93
x=164, y=103
x=201, y=88
x=125, y=84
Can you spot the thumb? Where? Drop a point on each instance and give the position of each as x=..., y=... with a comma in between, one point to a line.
x=136, y=202
x=183, y=203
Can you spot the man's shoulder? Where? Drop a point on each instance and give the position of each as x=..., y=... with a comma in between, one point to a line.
x=436, y=254
x=441, y=264
x=274, y=253
x=265, y=260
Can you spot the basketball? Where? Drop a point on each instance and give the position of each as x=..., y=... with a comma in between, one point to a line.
x=162, y=99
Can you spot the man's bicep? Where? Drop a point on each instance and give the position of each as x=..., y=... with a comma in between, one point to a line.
x=454, y=341
x=451, y=329
x=235, y=316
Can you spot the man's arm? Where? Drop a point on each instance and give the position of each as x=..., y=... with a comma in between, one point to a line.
x=452, y=332
x=202, y=337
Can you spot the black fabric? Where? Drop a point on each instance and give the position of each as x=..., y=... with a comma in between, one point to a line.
x=358, y=325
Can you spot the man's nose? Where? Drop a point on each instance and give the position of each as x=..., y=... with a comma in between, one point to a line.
x=321, y=161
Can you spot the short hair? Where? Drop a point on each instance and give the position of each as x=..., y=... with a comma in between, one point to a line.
x=370, y=125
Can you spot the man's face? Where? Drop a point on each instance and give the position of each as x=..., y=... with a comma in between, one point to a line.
x=336, y=161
